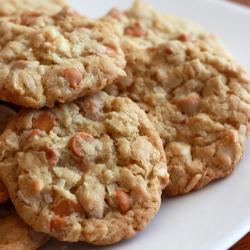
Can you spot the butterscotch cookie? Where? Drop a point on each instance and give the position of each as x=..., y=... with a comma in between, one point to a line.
x=6, y=114
x=199, y=101
x=91, y=170
x=15, y=234
x=45, y=59
x=13, y=7
x=141, y=26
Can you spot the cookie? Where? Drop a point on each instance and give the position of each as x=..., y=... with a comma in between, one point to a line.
x=141, y=26
x=15, y=234
x=45, y=59
x=6, y=114
x=92, y=170
x=14, y=7
x=199, y=101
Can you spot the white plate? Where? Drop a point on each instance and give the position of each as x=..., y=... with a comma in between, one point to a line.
x=218, y=215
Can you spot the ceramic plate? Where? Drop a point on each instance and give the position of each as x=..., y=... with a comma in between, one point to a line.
x=218, y=215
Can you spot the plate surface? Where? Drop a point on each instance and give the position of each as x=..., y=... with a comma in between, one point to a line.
x=218, y=215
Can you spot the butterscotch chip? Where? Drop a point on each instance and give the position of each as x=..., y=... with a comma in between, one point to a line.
x=80, y=143
x=199, y=101
x=45, y=121
x=15, y=234
x=97, y=175
x=123, y=201
x=46, y=59
x=141, y=26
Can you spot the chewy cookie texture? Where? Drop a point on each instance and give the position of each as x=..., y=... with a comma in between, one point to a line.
x=94, y=171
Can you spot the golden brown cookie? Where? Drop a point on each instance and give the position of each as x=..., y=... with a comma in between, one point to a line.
x=199, y=101
x=45, y=59
x=92, y=170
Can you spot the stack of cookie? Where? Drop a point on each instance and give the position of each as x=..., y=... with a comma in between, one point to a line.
x=112, y=112
x=77, y=166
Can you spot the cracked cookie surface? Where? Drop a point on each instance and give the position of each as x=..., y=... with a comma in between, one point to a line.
x=45, y=59
x=92, y=170
x=199, y=101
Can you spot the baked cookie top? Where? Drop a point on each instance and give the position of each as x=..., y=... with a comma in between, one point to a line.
x=15, y=234
x=199, y=101
x=13, y=7
x=44, y=59
x=92, y=170
x=141, y=26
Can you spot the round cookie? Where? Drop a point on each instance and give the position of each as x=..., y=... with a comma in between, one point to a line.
x=199, y=101
x=14, y=7
x=15, y=234
x=45, y=59
x=6, y=114
x=92, y=170
x=141, y=26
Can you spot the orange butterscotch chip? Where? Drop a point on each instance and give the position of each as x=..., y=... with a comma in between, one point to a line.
x=77, y=140
x=73, y=76
x=21, y=64
x=110, y=52
x=28, y=17
x=189, y=104
x=169, y=50
x=45, y=121
x=116, y=13
x=57, y=224
x=52, y=154
x=184, y=38
x=33, y=133
x=123, y=200
x=90, y=107
x=138, y=29
x=66, y=207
